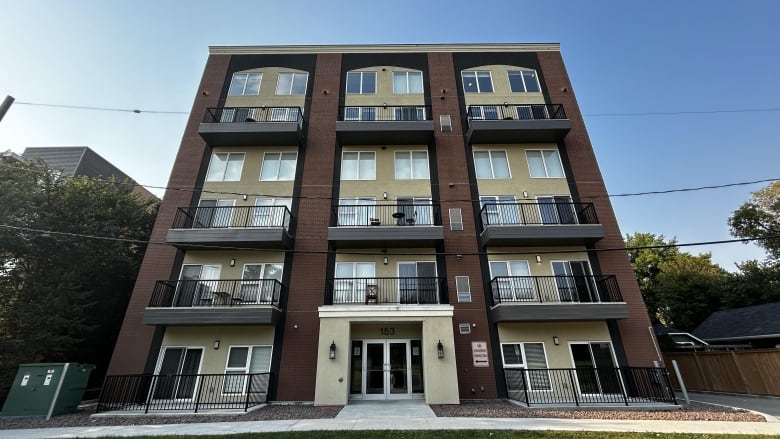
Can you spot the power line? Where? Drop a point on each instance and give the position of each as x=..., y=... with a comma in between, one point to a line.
x=121, y=110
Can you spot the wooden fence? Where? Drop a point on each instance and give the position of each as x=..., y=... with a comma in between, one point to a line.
x=755, y=372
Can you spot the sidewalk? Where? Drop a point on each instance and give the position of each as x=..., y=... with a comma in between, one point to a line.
x=392, y=423
x=769, y=405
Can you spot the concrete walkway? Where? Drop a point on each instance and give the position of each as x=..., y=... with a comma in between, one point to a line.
x=769, y=405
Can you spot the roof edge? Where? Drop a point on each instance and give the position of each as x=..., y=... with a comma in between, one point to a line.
x=746, y=337
x=384, y=48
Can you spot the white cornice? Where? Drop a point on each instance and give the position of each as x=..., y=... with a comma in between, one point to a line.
x=385, y=311
x=384, y=48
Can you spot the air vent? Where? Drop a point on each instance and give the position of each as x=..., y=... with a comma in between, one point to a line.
x=464, y=328
x=456, y=219
x=445, y=121
x=463, y=288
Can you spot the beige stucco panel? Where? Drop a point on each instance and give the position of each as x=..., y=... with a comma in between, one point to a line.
x=268, y=96
x=223, y=257
x=384, y=90
x=385, y=177
x=543, y=268
x=520, y=178
x=501, y=91
x=250, y=178
x=214, y=360
x=393, y=258
x=557, y=356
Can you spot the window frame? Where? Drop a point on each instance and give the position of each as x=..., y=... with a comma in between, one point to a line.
x=245, y=370
x=357, y=171
x=524, y=364
x=349, y=209
x=279, y=166
x=408, y=88
x=476, y=81
x=208, y=177
x=292, y=84
x=492, y=167
x=246, y=81
x=522, y=73
x=411, y=165
x=544, y=163
x=360, y=84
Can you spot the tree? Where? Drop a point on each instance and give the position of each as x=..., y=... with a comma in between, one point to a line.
x=759, y=217
x=646, y=263
x=63, y=295
x=756, y=283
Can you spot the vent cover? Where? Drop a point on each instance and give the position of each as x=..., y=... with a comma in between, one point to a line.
x=464, y=328
x=456, y=219
x=463, y=288
x=445, y=121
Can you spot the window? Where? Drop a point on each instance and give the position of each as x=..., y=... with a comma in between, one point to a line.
x=292, y=83
x=415, y=210
x=245, y=84
x=244, y=360
x=491, y=164
x=483, y=112
x=417, y=282
x=411, y=165
x=357, y=211
x=260, y=283
x=407, y=82
x=529, y=356
x=499, y=209
x=409, y=113
x=595, y=366
x=358, y=166
x=556, y=210
x=278, y=166
x=213, y=214
x=512, y=281
x=359, y=113
x=225, y=166
x=196, y=285
x=285, y=114
x=464, y=292
x=361, y=83
x=477, y=82
x=352, y=281
x=271, y=212
x=574, y=281
x=544, y=163
x=524, y=81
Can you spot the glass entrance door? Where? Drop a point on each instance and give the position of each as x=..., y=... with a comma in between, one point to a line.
x=177, y=373
x=386, y=369
x=595, y=366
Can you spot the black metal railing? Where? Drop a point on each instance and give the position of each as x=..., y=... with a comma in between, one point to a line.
x=590, y=386
x=186, y=392
x=253, y=114
x=397, y=214
x=232, y=216
x=507, y=111
x=215, y=292
x=555, y=289
x=524, y=213
x=385, y=113
x=374, y=290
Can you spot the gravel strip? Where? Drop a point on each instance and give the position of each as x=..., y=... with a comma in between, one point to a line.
x=471, y=409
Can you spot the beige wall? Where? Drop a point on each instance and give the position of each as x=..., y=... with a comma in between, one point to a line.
x=520, y=175
x=384, y=89
x=223, y=257
x=393, y=258
x=543, y=268
x=214, y=360
x=557, y=356
x=250, y=178
x=268, y=96
x=439, y=375
x=501, y=92
x=385, y=177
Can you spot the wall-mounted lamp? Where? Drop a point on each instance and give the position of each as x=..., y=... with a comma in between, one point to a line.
x=233, y=262
x=459, y=257
x=440, y=350
x=525, y=194
x=384, y=195
x=451, y=184
x=385, y=260
x=204, y=93
x=216, y=344
x=506, y=104
x=332, y=350
x=556, y=340
x=245, y=196
x=324, y=92
x=538, y=259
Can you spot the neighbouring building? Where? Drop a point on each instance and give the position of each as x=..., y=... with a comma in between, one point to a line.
x=385, y=221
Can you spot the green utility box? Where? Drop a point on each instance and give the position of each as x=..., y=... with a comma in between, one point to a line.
x=47, y=389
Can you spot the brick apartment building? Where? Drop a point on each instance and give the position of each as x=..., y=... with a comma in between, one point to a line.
x=385, y=221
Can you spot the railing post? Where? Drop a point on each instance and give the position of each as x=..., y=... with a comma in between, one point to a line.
x=149, y=395
x=622, y=385
x=200, y=388
x=574, y=386
x=248, y=391
x=526, y=387
x=538, y=289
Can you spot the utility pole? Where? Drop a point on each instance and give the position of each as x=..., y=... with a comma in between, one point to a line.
x=5, y=106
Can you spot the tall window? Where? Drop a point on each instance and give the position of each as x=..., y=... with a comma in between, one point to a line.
x=524, y=81
x=245, y=84
x=526, y=356
x=544, y=163
x=477, y=82
x=361, y=83
x=243, y=360
x=407, y=82
x=271, y=212
x=511, y=280
x=352, y=280
x=260, y=283
x=499, y=209
x=411, y=165
x=225, y=166
x=491, y=164
x=356, y=211
x=358, y=166
x=360, y=113
x=292, y=83
x=278, y=166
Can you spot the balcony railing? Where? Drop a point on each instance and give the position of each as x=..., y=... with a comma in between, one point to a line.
x=376, y=290
x=354, y=215
x=555, y=289
x=231, y=216
x=590, y=386
x=385, y=113
x=509, y=111
x=187, y=392
x=534, y=213
x=216, y=292
x=253, y=114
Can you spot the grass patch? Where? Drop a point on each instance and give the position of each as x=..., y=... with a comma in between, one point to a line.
x=456, y=434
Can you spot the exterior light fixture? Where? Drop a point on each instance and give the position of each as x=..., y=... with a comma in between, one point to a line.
x=384, y=195
x=538, y=259
x=233, y=262
x=525, y=194
x=216, y=344
x=459, y=257
x=440, y=349
x=332, y=350
x=556, y=340
x=385, y=260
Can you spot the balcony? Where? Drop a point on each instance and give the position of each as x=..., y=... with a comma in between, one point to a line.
x=589, y=386
x=386, y=125
x=386, y=225
x=252, y=126
x=539, y=223
x=517, y=123
x=385, y=290
x=185, y=392
x=540, y=298
x=214, y=302
x=262, y=227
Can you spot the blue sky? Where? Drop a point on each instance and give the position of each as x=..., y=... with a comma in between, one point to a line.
x=623, y=57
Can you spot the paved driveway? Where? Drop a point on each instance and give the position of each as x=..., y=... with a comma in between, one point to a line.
x=764, y=404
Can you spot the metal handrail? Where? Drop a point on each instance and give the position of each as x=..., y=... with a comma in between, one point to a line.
x=384, y=113
x=524, y=213
x=264, y=114
x=194, y=217
x=215, y=293
x=395, y=214
x=555, y=289
x=396, y=290
x=515, y=111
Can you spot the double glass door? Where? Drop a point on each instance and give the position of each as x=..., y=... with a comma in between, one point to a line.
x=391, y=369
x=177, y=373
x=597, y=372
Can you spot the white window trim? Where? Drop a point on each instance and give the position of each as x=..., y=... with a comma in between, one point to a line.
x=246, y=81
x=411, y=165
x=544, y=162
x=524, y=365
x=492, y=171
x=589, y=342
x=357, y=171
x=361, y=92
x=292, y=83
x=279, y=168
x=476, y=81
x=246, y=366
x=163, y=348
x=408, y=88
x=211, y=163
x=522, y=79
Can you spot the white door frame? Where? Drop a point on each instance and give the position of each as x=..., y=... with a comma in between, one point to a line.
x=386, y=375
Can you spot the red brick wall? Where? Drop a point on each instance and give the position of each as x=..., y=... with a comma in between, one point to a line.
x=637, y=339
x=452, y=168
x=297, y=372
x=132, y=346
